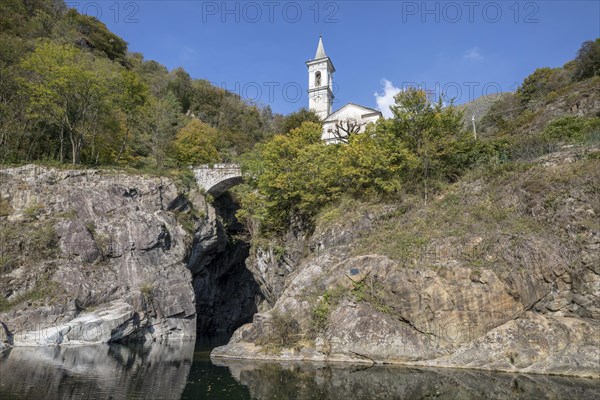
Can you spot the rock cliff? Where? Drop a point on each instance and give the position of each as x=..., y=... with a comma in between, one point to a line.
x=94, y=256
x=499, y=273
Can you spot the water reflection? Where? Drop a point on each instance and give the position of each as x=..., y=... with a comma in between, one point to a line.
x=305, y=381
x=96, y=372
x=184, y=370
x=209, y=381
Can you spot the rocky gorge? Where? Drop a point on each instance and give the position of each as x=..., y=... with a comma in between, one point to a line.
x=507, y=281
x=499, y=273
x=94, y=256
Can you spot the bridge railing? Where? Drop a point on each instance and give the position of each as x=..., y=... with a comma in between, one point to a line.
x=218, y=166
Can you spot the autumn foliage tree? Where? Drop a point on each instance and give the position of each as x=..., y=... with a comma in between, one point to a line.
x=195, y=144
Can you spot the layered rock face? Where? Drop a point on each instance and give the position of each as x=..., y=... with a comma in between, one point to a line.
x=532, y=307
x=100, y=256
x=448, y=318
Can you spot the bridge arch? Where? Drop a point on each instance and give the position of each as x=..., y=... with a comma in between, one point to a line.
x=218, y=178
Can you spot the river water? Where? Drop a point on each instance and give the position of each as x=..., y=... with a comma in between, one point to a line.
x=185, y=371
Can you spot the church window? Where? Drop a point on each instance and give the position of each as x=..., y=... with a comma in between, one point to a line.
x=317, y=78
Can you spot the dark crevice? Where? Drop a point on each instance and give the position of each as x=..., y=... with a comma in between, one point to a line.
x=227, y=295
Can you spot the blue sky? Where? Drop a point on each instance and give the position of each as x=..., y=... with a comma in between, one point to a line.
x=258, y=48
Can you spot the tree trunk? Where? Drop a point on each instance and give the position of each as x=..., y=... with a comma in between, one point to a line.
x=79, y=146
x=74, y=149
x=122, y=146
x=62, y=144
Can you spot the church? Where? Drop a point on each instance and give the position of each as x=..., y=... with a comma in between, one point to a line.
x=350, y=119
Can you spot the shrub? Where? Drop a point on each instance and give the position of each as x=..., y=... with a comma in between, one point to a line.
x=5, y=208
x=571, y=129
x=33, y=211
x=322, y=309
x=43, y=241
x=285, y=330
x=541, y=82
x=147, y=290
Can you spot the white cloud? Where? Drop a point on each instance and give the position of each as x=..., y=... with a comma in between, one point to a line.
x=473, y=54
x=386, y=99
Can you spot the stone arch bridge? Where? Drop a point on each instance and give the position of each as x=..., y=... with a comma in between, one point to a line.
x=218, y=178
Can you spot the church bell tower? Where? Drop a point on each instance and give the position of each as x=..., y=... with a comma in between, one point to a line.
x=320, y=82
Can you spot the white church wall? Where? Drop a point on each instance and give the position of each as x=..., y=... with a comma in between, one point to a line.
x=350, y=112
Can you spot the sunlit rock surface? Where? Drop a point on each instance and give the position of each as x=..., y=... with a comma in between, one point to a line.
x=527, y=301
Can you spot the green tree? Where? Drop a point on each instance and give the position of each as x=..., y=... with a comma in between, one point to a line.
x=131, y=100
x=161, y=120
x=195, y=144
x=68, y=89
x=294, y=174
x=541, y=82
x=427, y=128
x=16, y=130
x=295, y=119
x=92, y=34
x=375, y=163
x=180, y=83
x=587, y=62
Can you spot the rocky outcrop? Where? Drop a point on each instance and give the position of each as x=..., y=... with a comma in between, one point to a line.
x=447, y=318
x=96, y=256
x=529, y=304
x=113, y=266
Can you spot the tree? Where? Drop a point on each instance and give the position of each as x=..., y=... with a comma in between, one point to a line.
x=295, y=119
x=16, y=132
x=92, y=34
x=161, y=120
x=294, y=174
x=427, y=128
x=587, y=62
x=376, y=162
x=68, y=89
x=195, y=144
x=541, y=82
x=346, y=128
x=131, y=101
x=180, y=83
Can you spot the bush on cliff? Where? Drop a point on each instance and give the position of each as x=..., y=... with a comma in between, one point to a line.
x=296, y=175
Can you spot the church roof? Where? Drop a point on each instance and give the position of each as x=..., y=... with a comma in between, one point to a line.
x=320, y=50
x=366, y=111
